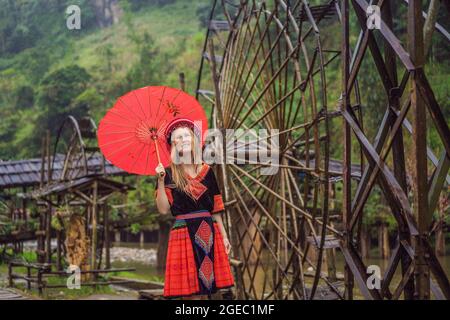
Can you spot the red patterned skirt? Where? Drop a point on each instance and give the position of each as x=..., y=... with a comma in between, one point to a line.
x=197, y=263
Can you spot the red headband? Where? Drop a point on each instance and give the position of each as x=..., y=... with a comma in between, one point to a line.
x=178, y=123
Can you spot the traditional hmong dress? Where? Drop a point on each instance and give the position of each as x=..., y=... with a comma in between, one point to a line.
x=197, y=263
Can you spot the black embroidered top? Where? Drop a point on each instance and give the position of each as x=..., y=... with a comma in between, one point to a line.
x=204, y=188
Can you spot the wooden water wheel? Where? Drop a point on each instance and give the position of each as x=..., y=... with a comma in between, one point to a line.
x=76, y=143
x=268, y=69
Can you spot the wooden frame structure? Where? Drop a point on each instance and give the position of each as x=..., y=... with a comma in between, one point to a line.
x=37, y=272
x=74, y=176
x=267, y=70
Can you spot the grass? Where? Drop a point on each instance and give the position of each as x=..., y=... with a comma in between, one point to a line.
x=65, y=293
x=53, y=293
x=57, y=293
x=139, y=276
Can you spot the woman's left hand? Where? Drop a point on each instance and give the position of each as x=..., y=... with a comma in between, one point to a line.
x=227, y=245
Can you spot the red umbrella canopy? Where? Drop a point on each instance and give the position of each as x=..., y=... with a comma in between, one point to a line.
x=131, y=134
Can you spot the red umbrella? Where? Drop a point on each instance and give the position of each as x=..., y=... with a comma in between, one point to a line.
x=131, y=134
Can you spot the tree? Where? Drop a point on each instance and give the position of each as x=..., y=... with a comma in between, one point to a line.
x=24, y=97
x=58, y=91
x=149, y=68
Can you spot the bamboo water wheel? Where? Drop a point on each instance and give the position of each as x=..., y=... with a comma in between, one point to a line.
x=269, y=67
x=76, y=143
x=264, y=66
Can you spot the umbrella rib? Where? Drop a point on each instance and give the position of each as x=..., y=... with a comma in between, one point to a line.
x=149, y=104
x=159, y=106
x=137, y=158
x=118, y=114
x=131, y=111
x=160, y=131
x=120, y=149
x=188, y=113
x=161, y=128
x=115, y=124
x=140, y=106
x=111, y=142
x=117, y=132
x=146, y=160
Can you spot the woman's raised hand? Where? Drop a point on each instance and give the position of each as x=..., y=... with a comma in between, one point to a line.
x=160, y=171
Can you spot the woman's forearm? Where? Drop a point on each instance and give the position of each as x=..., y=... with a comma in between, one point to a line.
x=220, y=223
x=162, y=203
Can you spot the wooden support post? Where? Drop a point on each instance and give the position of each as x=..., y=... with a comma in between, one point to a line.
x=48, y=234
x=10, y=275
x=398, y=152
x=58, y=250
x=107, y=236
x=40, y=285
x=43, y=150
x=365, y=243
x=218, y=105
x=48, y=218
x=419, y=156
x=141, y=239
x=28, y=277
x=383, y=240
x=94, y=227
x=346, y=206
x=40, y=239
x=24, y=206
x=331, y=264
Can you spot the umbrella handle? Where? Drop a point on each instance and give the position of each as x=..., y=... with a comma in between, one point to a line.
x=161, y=174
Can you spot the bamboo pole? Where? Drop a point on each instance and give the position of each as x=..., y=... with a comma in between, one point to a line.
x=94, y=227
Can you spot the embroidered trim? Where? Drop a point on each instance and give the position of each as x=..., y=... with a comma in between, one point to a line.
x=201, y=174
x=206, y=272
x=218, y=203
x=204, y=237
x=196, y=188
x=194, y=214
x=179, y=224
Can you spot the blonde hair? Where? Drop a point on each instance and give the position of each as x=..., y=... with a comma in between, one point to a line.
x=179, y=177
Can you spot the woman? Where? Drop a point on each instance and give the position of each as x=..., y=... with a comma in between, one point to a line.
x=197, y=256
